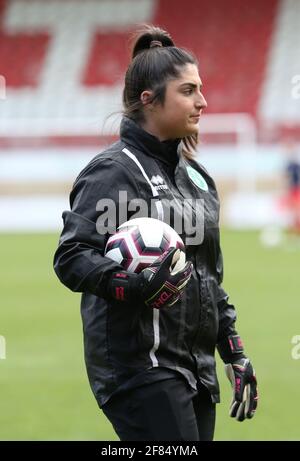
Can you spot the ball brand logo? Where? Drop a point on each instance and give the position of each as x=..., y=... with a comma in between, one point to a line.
x=2, y=348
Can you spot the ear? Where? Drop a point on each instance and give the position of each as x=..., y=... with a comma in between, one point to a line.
x=146, y=97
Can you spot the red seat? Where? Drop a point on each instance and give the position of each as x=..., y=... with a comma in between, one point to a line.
x=231, y=39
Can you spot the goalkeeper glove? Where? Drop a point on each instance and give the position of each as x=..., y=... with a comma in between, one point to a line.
x=243, y=380
x=159, y=285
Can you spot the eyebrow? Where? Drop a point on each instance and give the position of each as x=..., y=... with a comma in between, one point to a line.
x=193, y=85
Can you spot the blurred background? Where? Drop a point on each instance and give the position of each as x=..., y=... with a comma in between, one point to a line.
x=62, y=64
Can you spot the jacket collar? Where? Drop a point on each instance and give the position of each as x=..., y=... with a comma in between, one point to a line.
x=133, y=135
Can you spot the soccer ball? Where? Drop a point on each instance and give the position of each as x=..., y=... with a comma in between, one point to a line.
x=139, y=242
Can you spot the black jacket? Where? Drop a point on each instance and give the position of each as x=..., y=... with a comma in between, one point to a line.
x=123, y=342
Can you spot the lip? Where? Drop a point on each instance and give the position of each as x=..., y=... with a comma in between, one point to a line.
x=195, y=117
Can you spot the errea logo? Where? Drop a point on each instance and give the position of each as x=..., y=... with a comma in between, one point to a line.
x=159, y=183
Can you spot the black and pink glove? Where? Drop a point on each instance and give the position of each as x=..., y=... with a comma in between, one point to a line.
x=243, y=380
x=159, y=285
x=241, y=375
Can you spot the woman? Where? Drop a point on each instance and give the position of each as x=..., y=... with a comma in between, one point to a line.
x=152, y=370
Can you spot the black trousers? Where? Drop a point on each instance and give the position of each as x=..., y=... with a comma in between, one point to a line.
x=167, y=410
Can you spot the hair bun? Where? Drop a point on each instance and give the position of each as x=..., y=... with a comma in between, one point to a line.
x=150, y=37
x=155, y=43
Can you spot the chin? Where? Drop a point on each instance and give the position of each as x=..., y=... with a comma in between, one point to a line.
x=187, y=131
x=192, y=130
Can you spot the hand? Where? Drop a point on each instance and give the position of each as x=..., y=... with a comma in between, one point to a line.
x=158, y=285
x=163, y=284
x=244, y=384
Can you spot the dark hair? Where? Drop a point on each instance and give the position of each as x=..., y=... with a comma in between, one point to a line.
x=155, y=61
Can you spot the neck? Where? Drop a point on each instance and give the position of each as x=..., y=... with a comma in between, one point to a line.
x=152, y=129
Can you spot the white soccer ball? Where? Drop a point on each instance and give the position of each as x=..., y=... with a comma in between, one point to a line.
x=139, y=242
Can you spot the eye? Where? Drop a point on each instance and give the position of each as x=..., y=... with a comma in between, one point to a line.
x=188, y=91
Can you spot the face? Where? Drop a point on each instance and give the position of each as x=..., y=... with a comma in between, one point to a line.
x=179, y=115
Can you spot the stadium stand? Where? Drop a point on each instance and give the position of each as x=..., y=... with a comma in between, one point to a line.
x=227, y=45
x=62, y=63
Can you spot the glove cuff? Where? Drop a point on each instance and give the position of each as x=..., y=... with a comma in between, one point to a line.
x=231, y=348
x=125, y=286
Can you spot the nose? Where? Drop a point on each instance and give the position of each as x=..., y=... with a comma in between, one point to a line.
x=201, y=101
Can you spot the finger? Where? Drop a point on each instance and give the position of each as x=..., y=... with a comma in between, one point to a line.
x=234, y=408
x=165, y=260
x=253, y=401
x=253, y=410
x=184, y=276
x=229, y=373
x=247, y=398
x=177, y=257
x=171, y=255
x=240, y=414
x=179, y=263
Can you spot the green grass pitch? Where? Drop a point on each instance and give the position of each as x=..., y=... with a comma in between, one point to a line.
x=45, y=393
